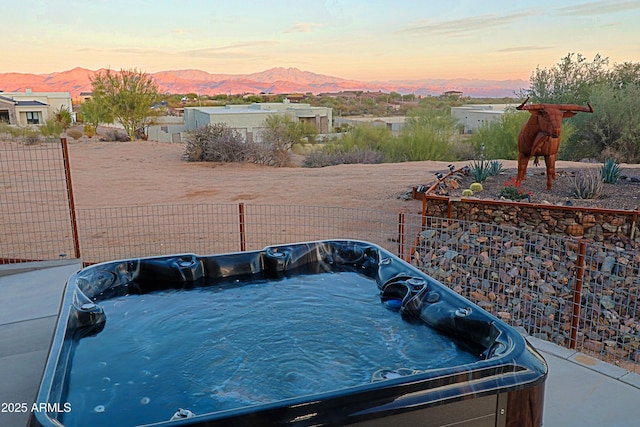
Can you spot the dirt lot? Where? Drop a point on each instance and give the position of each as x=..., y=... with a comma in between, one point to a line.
x=143, y=173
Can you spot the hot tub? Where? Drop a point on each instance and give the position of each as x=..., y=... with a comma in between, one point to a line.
x=320, y=333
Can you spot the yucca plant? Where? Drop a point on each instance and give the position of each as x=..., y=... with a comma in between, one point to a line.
x=587, y=185
x=495, y=167
x=610, y=171
x=479, y=170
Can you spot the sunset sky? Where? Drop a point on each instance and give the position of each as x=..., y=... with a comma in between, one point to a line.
x=355, y=39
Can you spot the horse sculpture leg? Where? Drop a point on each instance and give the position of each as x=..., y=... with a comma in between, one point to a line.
x=550, y=163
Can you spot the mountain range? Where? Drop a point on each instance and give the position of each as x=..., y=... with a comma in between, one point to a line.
x=275, y=80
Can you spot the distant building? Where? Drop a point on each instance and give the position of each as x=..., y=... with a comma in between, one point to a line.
x=452, y=93
x=471, y=117
x=393, y=123
x=249, y=120
x=32, y=108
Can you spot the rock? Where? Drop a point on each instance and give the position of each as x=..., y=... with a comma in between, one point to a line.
x=504, y=315
x=546, y=288
x=450, y=254
x=607, y=264
x=607, y=302
x=428, y=234
x=575, y=230
x=515, y=251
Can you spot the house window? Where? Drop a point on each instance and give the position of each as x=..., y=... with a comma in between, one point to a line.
x=33, y=118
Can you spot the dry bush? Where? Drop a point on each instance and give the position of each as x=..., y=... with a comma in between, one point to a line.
x=74, y=133
x=219, y=143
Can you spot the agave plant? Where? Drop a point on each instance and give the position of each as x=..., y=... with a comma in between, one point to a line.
x=479, y=170
x=495, y=167
x=587, y=185
x=610, y=171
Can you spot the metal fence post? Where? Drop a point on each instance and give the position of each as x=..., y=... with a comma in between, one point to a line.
x=243, y=239
x=577, y=293
x=401, y=235
x=72, y=203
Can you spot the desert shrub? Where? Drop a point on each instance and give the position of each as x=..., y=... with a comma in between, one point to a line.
x=320, y=159
x=220, y=143
x=424, y=136
x=51, y=128
x=74, y=133
x=89, y=130
x=280, y=134
x=115, y=135
x=31, y=136
x=5, y=128
x=613, y=129
x=587, y=185
x=513, y=191
x=363, y=137
x=63, y=116
x=460, y=149
x=499, y=139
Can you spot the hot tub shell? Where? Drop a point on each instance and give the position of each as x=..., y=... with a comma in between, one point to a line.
x=504, y=388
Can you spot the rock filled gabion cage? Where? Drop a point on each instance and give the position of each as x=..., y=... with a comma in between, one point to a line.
x=576, y=294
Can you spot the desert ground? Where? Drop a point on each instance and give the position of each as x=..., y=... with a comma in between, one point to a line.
x=108, y=174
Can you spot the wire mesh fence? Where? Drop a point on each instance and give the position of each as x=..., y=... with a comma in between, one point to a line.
x=136, y=231
x=35, y=217
x=579, y=295
x=609, y=316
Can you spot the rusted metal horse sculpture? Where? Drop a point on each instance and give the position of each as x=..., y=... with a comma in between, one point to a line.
x=540, y=135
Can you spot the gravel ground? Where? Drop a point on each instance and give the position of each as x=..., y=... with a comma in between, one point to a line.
x=625, y=194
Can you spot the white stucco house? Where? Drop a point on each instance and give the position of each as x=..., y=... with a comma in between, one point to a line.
x=247, y=119
x=474, y=116
x=32, y=108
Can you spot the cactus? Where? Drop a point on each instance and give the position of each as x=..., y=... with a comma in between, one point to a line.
x=468, y=192
x=476, y=187
x=610, y=171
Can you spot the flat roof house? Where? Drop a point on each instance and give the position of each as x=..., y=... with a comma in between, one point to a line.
x=472, y=117
x=31, y=108
x=249, y=120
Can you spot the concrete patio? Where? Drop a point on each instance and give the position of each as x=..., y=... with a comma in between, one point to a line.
x=580, y=390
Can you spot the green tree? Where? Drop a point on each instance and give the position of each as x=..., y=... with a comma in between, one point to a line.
x=128, y=95
x=568, y=82
x=93, y=114
x=613, y=129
